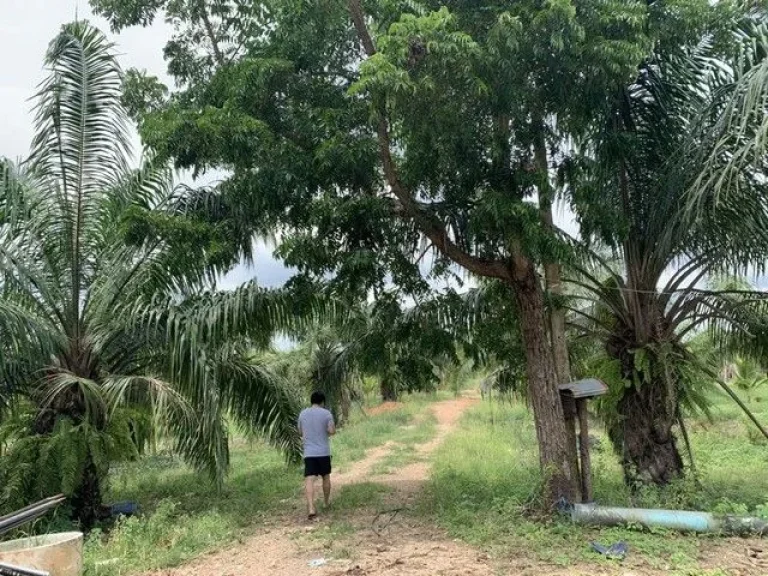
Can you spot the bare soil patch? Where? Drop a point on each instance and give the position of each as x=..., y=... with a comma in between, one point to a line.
x=384, y=407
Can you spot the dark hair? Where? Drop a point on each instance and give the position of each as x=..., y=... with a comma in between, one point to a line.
x=317, y=398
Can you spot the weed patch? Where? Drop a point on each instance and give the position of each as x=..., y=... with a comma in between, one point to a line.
x=183, y=515
x=485, y=477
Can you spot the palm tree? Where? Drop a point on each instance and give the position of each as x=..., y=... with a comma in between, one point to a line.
x=640, y=167
x=341, y=380
x=484, y=320
x=99, y=336
x=399, y=345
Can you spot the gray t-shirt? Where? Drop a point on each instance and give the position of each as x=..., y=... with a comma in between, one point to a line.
x=314, y=423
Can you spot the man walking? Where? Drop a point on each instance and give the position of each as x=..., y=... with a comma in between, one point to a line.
x=316, y=426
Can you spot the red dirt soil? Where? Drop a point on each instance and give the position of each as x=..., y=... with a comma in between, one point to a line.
x=384, y=407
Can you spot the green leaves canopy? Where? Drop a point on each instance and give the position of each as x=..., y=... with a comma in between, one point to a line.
x=288, y=111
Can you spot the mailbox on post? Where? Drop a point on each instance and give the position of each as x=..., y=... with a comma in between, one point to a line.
x=578, y=393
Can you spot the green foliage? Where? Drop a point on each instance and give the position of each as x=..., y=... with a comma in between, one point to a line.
x=456, y=375
x=220, y=27
x=35, y=466
x=398, y=345
x=401, y=347
x=749, y=376
x=492, y=338
x=485, y=476
x=142, y=93
x=279, y=95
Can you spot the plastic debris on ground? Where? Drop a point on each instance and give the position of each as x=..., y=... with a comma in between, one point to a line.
x=617, y=551
x=124, y=509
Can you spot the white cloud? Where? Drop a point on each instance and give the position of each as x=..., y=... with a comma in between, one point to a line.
x=26, y=28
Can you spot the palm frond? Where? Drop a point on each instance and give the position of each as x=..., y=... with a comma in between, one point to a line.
x=80, y=149
x=259, y=399
x=84, y=395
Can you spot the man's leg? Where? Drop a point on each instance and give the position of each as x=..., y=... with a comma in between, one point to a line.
x=327, y=488
x=309, y=490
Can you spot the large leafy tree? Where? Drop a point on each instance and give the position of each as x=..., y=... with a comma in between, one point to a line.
x=106, y=323
x=645, y=191
x=367, y=132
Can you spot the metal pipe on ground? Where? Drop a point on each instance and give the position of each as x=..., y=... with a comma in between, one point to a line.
x=680, y=520
x=16, y=519
x=58, y=499
x=11, y=570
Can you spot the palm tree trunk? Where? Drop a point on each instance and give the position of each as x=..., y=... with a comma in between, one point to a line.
x=388, y=390
x=644, y=437
x=345, y=405
x=642, y=434
x=86, y=501
x=647, y=410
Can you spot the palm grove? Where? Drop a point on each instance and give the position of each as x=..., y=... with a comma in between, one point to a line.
x=389, y=144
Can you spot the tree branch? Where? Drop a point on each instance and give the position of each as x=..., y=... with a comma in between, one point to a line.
x=217, y=54
x=427, y=224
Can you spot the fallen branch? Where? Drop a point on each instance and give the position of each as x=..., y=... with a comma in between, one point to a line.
x=394, y=512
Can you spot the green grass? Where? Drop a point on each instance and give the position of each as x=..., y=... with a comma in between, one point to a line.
x=485, y=479
x=408, y=423
x=405, y=452
x=356, y=496
x=183, y=515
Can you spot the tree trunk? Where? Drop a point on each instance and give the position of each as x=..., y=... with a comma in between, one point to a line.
x=644, y=437
x=562, y=361
x=556, y=312
x=388, y=390
x=345, y=405
x=543, y=386
x=86, y=501
x=647, y=411
x=559, y=345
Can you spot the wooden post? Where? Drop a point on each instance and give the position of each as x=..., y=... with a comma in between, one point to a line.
x=586, y=467
x=575, y=396
x=569, y=410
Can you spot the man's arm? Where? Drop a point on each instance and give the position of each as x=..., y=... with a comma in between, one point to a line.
x=331, y=426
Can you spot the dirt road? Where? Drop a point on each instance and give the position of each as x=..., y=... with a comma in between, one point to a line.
x=382, y=537
x=367, y=541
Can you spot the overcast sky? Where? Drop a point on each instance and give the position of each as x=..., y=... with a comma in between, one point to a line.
x=26, y=28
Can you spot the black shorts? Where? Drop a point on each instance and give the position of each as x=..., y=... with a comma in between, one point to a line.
x=317, y=466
